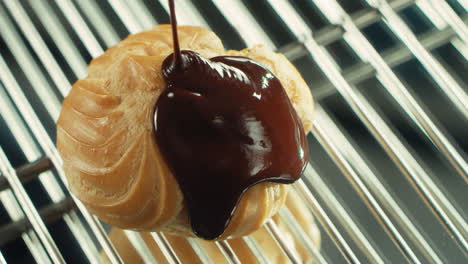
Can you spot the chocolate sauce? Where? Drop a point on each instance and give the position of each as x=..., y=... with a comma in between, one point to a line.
x=223, y=125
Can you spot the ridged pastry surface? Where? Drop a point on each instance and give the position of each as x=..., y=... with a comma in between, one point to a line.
x=105, y=135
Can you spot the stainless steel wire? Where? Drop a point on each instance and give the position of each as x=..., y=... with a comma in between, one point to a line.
x=165, y=247
x=228, y=253
x=240, y=18
x=140, y=246
x=277, y=235
x=199, y=251
x=30, y=238
x=123, y=11
x=14, y=211
x=255, y=249
x=80, y=27
x=93, y=13
x=464, y=3
x=2, y=258
x=299, y=232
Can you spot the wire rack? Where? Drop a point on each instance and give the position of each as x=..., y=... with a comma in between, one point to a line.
x=388, y=175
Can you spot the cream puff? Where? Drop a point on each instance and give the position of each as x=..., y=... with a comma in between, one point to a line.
x=124, y=168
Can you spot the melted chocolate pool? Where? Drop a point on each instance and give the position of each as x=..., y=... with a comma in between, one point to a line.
x=223, y=125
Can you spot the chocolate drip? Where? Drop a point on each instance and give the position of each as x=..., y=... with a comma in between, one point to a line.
x=223, y=125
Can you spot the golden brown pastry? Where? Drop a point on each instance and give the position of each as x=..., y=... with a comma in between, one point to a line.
x=271, y=250
x=105, y=135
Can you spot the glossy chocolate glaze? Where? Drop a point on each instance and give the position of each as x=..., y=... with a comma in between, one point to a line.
x=223, y=125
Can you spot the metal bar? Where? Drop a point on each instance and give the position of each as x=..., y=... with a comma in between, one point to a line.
x=142, y=14
x=29, y=171
x=197, y=248
x=165, y=247
x=103, y=27
x=464, y=4
x=77, y=22
x=299, y=233
x=2, y=259
x=49, y=214
x=440, y=75
x=227, y=252
x=253, y=246
x=140, y=246
x=29, y=209
x=186, y=18
x=461, y=47
x=426, y=7
x=122, y=10
x=278, y=237
x=30, y=238
x=443, y=9
x=239, y=17
x=384, y=135
x=49, y=148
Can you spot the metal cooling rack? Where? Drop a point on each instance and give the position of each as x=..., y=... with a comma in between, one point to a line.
x=388, y=174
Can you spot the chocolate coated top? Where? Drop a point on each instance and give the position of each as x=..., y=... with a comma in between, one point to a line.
x=223, y=125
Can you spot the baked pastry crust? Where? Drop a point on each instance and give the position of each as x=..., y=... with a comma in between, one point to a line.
x=106, y=139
